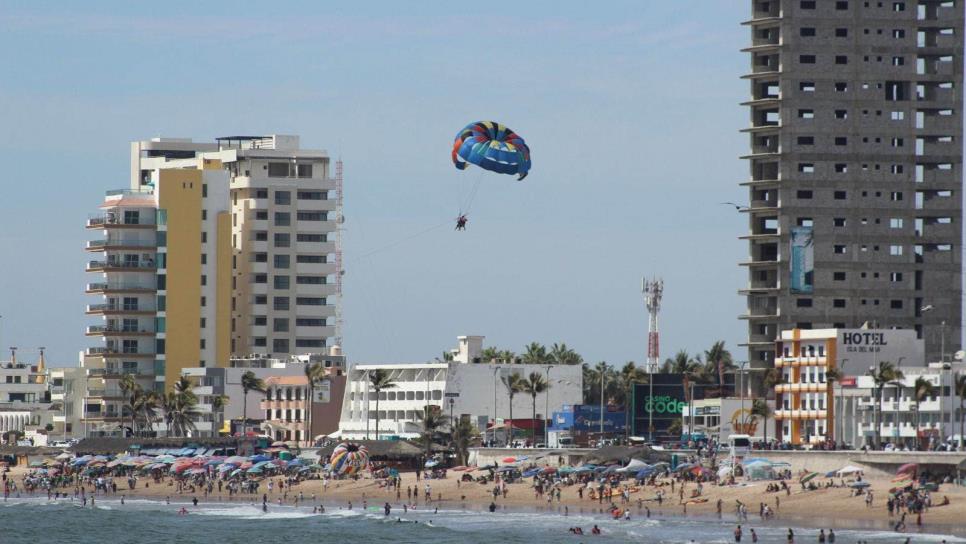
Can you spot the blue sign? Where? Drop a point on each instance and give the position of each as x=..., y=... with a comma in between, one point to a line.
x=586, y=418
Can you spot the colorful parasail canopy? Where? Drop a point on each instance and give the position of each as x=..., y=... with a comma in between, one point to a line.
x=491, y=146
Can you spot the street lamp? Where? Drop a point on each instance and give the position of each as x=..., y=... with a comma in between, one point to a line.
x=942, y=332
x=875, y=401
x=452, y=421
x=898, y=384
x=546, y=408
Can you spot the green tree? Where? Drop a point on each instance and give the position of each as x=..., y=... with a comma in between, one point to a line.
x=922, y=389
x=180, y=408
x=430, y=423
x=380, y=380
x=218, y=405
x=562, y=355
x=718, y=361
x=535, y=354
x=130, y=390
x=513, y=384
x=629, y=375
x=772, y=378
x=447, y=355
x=959, y=385
x=463, y=435
x=249, y=382
x=314, y=373
x=886, y=374
x=507, y=357
x=490, y=355
x=760, y=408
x=535, y=385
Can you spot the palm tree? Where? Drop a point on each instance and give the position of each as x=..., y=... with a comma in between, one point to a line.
x=218, y=404
x=179, y=407
x=249, y=382
x=448, y=356
x=694, y=373
x=489, y=355
x=536, y=354
x=719, y=361
x=462, y=435
x=314, y=373
x=772, y=378
x=922, y=389
x=760, y=408
x=145, y=406
x=832, y=375
x=431, y=420
x=562, y=355
x=886, y=374
x=959, y=386
x=506, y=356
x=379, y=380
x=630, y=375
x=534, y=386
x=130, y=389
x=680, y=362
x=514, y=384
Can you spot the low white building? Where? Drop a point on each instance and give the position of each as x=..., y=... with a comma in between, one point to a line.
x=464, y=387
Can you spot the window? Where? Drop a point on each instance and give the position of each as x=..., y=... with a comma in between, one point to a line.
x=897, y=142
x=261, y=236
x=804, y=194
x=838, y=276
x=260, y=320
x=261, y=299
x=280, y=303
x=311, y=216
x=898, y=61
x=895, y=251
x=895, y=223
x=806, y=59
x=807, y=86
x=280, y=324
x=280, y=345
x=896, y=196
x=310, y=301
x=204, y=301
x=304, y=170
x=806, y=31
x=280, y=282
x=806, y=114
x=283, y=219
x=841, y=140
x=841, y=86
x=807, y=4
x=307, y=237
x=897, y=168
x=841, y=33
x=261, y=257
x=260, y=278
x=314, y=259
x=803, y=303
x=806, y=168
x=806, y=140
x=841, y=167
x=895, y=277
x=309, y=343
x=278, y=170
x=895, y=304
x=283, y=198
x=840, y=195
x=283, y=239
x=898, y=115
x=838, y=303
x=310, y=280
x=261, y=215
x=805, y=222
x=841, y=59
x=898, y=6
x=309, y=322
x=838, y=221
x=839, y=249
x=841, y=114
x=282, y=261
x=311, y=195
x=842, y=5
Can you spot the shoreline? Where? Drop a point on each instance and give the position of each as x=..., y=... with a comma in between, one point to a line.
x=795, y=521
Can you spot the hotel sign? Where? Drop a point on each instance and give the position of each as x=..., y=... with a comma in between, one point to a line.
x=858, y=349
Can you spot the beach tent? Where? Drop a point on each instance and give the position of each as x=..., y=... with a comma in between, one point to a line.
x=531, y=473
x=859, y=485
x=759, y=471
x=848, y=470
x=645, y=473
x=635, y=465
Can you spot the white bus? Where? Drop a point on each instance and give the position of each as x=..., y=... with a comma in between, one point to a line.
x=739, y=444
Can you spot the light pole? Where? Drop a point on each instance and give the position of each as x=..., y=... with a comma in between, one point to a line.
x=898, y=385
x=875, y=390
x=649, y=405
x=546, y=407
x=452, y=421
x=603, y=378
x=496, y=371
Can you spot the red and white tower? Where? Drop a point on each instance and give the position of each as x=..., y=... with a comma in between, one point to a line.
x=653, y=291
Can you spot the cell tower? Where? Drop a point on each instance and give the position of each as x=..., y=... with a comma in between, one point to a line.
x=653, y=291
x=339, y=272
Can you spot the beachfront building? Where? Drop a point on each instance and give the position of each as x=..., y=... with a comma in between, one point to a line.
x=163, y=277
x=466, y=387
x=288, y=402
x=67, y=394
x=25, y=404
x=903, y=420
x=855, y=172
x=810, y=408
x=213, y=382
x=719, y=418
x=582, y=425
x=286, y=207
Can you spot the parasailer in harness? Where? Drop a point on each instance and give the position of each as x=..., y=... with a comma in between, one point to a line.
x=461, y=222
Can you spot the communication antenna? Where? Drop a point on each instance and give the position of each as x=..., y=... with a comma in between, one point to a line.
x=653, y=290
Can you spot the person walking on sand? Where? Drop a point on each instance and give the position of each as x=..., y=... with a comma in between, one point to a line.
x=738, y=533
x=791, y=536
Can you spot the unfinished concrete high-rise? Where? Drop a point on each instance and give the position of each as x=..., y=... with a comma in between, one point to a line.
x=855, y=168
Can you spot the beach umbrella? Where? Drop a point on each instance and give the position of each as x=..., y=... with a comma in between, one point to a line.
x=684, y=466
x=506, y=469
x=235, y=472
x=260, y=457
x=645, y=473
x=431, y=463
x=213, y=462
x=908, y=468
x=509, y=459
x=566, y=470
x=859, y=485
x=63, y=457
x=808, y=477
x=254, y=470
x=849, y=469
x=549, y=470
x=36, y=464
x=531, y=473
x=830, y=474
x=585, y=468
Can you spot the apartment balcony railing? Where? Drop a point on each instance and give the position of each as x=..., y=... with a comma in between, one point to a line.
x=119, y=244
x=114, y=353
x=141, y=266
x=120, y=308
x=109, y=221
x=117, y=286
x=117, y=331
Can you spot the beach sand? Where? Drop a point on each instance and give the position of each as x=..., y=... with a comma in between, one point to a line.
x=833, y=507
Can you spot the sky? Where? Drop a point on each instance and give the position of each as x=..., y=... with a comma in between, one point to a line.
x=631, y=114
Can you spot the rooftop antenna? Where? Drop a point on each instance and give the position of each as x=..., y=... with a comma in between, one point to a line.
x=653, y=292
x=13, y=354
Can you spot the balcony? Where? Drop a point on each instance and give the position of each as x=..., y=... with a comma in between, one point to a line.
x=103, y=330
x=801, y=388
x=118, y=287
x=111, y=221
x=111, y=309
x=106, y=394
x=117, y=373
x=113, y=353
x=102, y=245
x=801, y=361
x=121, y=266
x=785, y=413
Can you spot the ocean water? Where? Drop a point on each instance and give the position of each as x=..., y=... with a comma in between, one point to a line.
x=149, y=522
